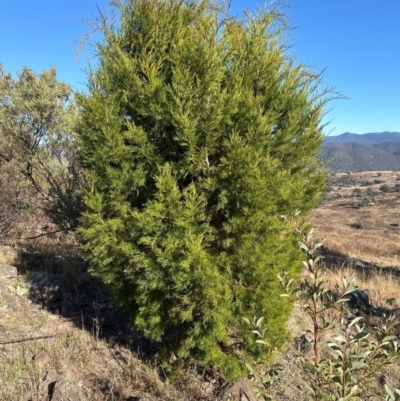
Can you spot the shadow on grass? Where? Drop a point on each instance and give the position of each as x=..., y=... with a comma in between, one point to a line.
x=63, y=286
x=367, y=269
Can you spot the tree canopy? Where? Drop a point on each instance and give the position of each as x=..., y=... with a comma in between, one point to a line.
x=197, y=132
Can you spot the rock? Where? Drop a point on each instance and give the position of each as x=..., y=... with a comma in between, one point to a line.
x=393, y=302
x=396, y=313
x=240, y=390
x=207, y=388
x=55, y=387
x=358, y=301
x=49, y=381
x=8, y=275
x=62, y=390
x=8, y=272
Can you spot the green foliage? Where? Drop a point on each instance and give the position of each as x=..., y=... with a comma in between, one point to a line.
x=348, y=364
x=260, y=371
x=197, y=132
x=38, y=164
x=356, y=192
x=17, y=290
x=385, y=188
x=392, y=395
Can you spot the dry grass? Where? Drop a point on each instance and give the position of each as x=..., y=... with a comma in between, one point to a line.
x=8, y=255
x=37, y=348
x=370, y=233
x=371, y=246
x=383, y=288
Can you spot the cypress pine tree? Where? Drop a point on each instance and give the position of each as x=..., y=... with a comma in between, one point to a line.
x=198, y=132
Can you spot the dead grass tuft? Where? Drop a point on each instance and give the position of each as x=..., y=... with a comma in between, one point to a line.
x=8, y=255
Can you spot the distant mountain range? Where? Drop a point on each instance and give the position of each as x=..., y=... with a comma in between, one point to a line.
x=362, y=152
x=372, y=137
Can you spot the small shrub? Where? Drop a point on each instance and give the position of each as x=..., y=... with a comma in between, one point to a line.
x=385, y=188
x=359, y=225
x=366, y=183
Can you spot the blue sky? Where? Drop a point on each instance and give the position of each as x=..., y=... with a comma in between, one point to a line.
x=358, y=42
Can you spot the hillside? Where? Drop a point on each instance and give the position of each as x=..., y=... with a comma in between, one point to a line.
x=361, y=156
x=372, y=137
x=362, y=152
x=390, y=147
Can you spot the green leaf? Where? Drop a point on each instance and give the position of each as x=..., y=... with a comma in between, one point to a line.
x=340, y=300
x=389, y=392
x=357, y=365
x=304, y=247
x=354, y=321
x=262, y=342
x=361, y=335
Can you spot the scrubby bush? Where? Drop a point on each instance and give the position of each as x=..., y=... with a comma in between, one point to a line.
x=366, y=183
x=197, y=132
x=385, y=188
x=39, y=169
x=356, y=193
x=13, y=203
x=347, y=364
